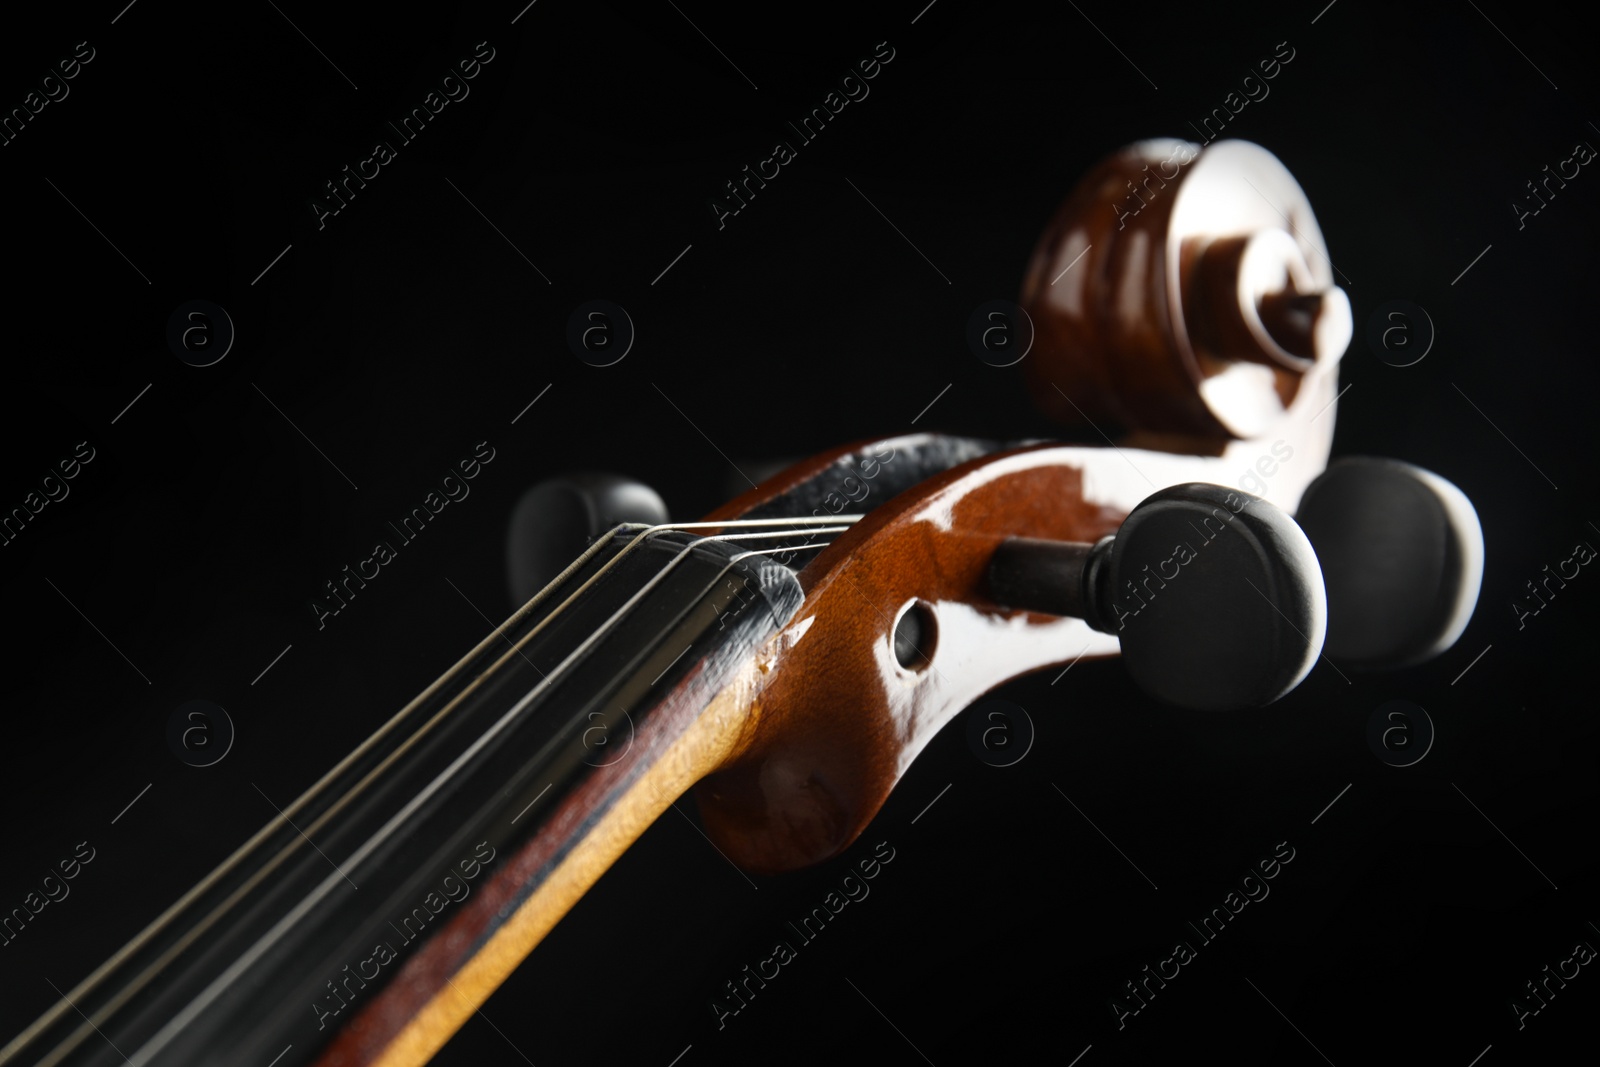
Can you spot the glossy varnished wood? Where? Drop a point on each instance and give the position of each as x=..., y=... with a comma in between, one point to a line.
x=441, y=987
x=835, y=719
x=1144, y=322
x=838, y=718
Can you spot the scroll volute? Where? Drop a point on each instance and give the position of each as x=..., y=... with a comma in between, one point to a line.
x=1181, y=291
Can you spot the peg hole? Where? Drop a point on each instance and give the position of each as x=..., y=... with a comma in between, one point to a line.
x=915, y=634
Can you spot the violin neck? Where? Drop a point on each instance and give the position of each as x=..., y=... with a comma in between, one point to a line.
x=647, y=693
x=370, y=920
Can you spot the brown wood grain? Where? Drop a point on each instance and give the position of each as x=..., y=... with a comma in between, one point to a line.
x=797, y=755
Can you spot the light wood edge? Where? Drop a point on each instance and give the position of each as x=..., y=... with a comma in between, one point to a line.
x=715, y=735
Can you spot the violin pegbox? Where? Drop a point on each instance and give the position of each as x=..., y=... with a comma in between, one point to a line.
x=1182, y=290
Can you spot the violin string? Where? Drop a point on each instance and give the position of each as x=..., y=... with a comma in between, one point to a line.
x=816, y=526
x=646, y=533
x=264, y=944
x=774, y=551
x=243, y=852
x=154, y=928
x=723, y=525
x=160, y=923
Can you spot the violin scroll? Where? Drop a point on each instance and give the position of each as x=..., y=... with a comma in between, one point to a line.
x=1182, y=291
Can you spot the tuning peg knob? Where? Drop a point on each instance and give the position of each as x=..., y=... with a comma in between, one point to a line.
x=1402, y=558
x=1214, y=594
x=557, y=519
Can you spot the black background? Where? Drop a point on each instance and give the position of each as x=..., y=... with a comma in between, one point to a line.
x=408, y=329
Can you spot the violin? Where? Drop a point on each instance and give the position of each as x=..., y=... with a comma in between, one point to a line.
x=786, y=658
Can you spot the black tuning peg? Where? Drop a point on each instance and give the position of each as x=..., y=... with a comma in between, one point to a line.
x=1402, y=559
x=1214, y=594
x=557, y=519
